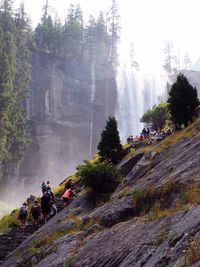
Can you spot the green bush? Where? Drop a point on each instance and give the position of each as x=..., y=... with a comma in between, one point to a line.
x=9, y=221
x=157, y=116
x=100, y=177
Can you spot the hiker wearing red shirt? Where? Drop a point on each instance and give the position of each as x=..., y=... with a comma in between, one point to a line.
x=67, y=195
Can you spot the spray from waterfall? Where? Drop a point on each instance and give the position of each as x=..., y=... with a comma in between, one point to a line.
x=92, y=98
x=137, y=92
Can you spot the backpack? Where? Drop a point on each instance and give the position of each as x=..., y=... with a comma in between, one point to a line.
x=35, y=209
x=22, y=213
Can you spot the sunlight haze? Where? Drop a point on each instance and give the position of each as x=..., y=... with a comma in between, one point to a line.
x=147, y=24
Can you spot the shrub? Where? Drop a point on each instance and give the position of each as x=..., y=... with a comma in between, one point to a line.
x=157, y=116
x=100, y=177
x=9, y=221
x=110, y=147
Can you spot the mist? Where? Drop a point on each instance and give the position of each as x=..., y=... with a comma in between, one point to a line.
x=146, y=26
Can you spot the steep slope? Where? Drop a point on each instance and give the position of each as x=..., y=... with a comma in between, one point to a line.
x=152, y=219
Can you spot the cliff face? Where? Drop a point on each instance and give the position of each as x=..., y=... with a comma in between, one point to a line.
x=68, y=105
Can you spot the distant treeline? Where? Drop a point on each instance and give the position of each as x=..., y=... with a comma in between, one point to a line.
x=95, y=41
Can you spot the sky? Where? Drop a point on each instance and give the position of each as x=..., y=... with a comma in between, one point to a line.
x=145, y=23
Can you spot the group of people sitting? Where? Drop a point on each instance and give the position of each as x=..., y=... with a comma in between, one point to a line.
x=149, y=136
x=41, y=213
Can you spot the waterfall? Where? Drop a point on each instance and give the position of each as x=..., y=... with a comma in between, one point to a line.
x=92, y=98
x=137, y=92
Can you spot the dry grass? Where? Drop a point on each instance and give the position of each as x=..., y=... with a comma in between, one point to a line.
x=193, y=252
x=49, y=239
x=123, y=193
x=160, y=237
x=155, y=203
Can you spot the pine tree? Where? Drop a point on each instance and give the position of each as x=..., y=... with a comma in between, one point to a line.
x=114, y=31
x=22, y=80
x=102, y=50
x=74, y=32
x=187, y=62
x=183, y=101
x=89, y=40
x=110, y=147
x=170, y=60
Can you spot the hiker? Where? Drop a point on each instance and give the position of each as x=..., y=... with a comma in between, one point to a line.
x=45, y=205
x=67, y=195
x=70, y=185
x=144, y=132
x=148, y=132
x=22, y=215
x=43, y=187
x=35, y=213
x=49, y=191
x=48, y=188
x=53, y=210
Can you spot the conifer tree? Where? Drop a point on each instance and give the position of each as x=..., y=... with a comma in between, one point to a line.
x=183, y=101
x=110, y=147
x=89, y=40
x=21, y=84
x=114, y=31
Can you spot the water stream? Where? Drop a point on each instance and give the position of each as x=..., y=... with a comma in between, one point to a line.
x=137, y=92
x=92, y=98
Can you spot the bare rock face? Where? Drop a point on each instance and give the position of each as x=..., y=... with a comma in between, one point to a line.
x=136, y=243
x=114, y=212
x=180, y=162
x=113, y=235
x=67, y=109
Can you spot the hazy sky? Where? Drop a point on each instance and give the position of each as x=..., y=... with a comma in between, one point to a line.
x=146, y=23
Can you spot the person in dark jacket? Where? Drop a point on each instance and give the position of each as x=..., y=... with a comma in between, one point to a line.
x=35, y=213
x=22, y=215
x=45, y=205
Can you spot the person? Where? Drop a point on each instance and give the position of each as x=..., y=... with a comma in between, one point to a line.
x=70, y=185
x=53, y=210
x=48, y=188
x=67, y=195
x=148, y=132
x=35, y=213
x=49, y=191
x=43, y=187
x=22, y=215
x=45, y=205
x=144, y=133
x=141, y=137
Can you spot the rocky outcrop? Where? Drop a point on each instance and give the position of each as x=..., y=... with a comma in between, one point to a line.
x=161, y=242
x=114, y=234
x=180, y=162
